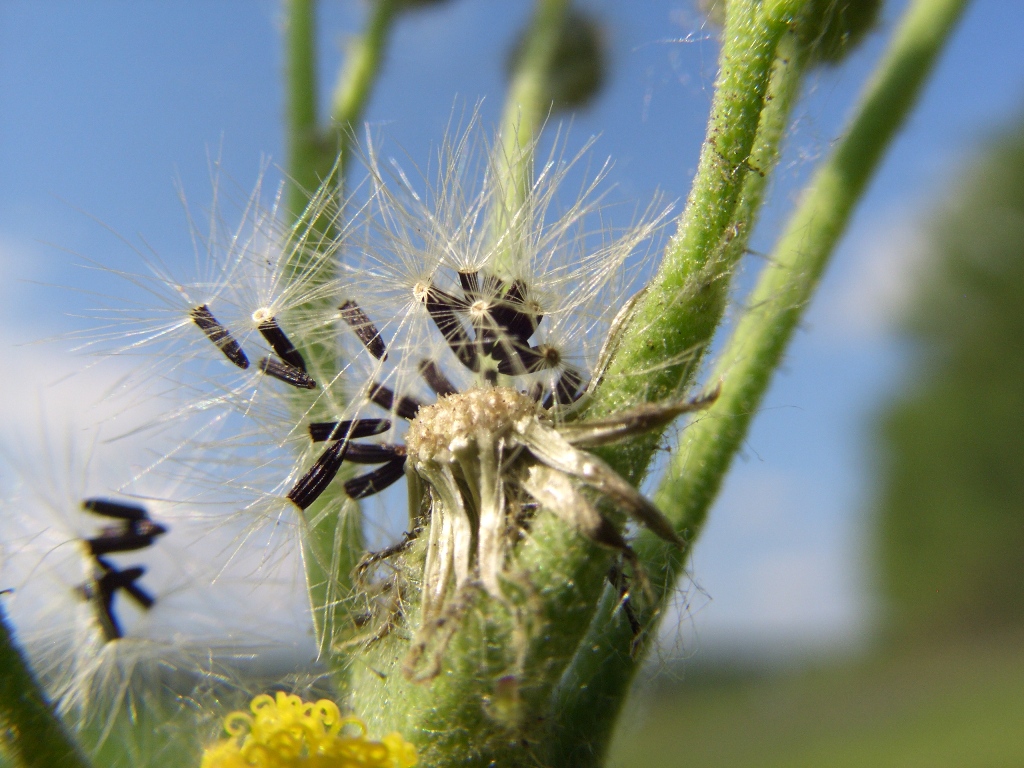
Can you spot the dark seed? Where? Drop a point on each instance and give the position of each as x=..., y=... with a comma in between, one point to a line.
x=115, y=509
x=219, y=335
x=404, y=406
x=106, y=587
x=312, y=484
x=281, y=344
x=443, y=309
x=435, y=378
x=353, y=429
x=373, y=453
x=287, y=373
x=568, y=389
x=376, y=481
x=364, y=328
x=510, y=313
x=470, y=282
x=115, y=540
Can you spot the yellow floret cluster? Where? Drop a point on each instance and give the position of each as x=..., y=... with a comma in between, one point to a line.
x=287, y=732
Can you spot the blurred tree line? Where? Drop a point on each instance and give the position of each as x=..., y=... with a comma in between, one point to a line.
x=951, y=511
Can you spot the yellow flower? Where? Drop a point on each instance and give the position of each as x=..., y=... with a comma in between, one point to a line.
x=287, y=732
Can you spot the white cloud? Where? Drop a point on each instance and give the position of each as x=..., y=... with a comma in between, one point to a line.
x=868, y=297
x=769, y=578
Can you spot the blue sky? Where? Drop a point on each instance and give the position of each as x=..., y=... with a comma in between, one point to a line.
x=107, y=107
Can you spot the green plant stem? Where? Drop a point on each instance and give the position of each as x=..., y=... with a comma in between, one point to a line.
x=799, y=258
x=565, y=573
x=30, y=727
x=601, y=674
x=312, y=231
x=318, y=155
x=562, y=566
x=585, y=707
x=332, y=541
x=526, y=108
x=664, y=341
x=311, y=206
x=305, y=145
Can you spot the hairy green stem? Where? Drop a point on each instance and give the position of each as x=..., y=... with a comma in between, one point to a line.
x=565, y=575
x=664, y=341
x=796, y=264
x=597, y=683
x=586, y=703
x=332, y=541
x=29, y=726
x=568, y=572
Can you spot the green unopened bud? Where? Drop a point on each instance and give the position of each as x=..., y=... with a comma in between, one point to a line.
x=413, y=4
x=830, y=29
x=827, y=29
x=578, y=68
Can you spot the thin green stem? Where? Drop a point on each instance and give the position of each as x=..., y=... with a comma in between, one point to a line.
x=526, y=108
x=362, y=67
x=332, y=542
x=600, y=676
x=305, y=146
x=318, y=155
x=30, y=727
x=308, y=206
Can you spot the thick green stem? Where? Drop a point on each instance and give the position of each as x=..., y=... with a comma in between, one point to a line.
x=795, y=266
x=568, y=572
x=565, y=574
x=29, y=726
x=664, y=341
x=563, y=567
x=586, y=704
x=601, y=674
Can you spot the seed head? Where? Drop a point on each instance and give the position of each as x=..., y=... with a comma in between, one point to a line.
x=460, y=420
